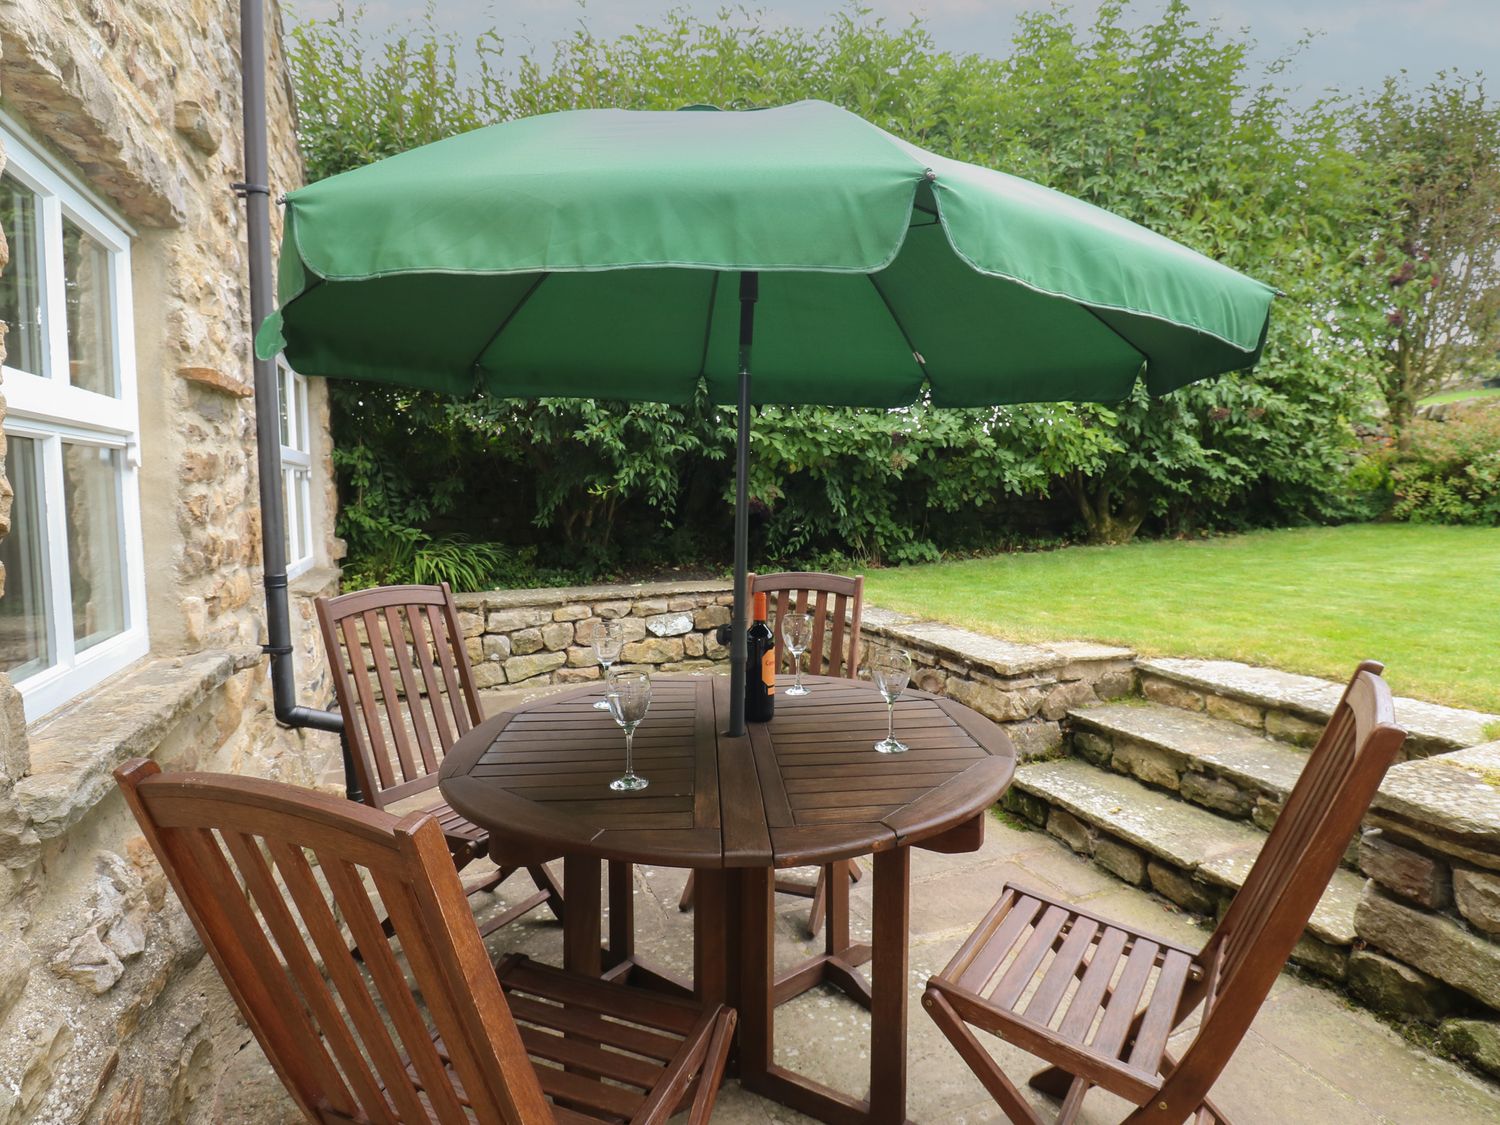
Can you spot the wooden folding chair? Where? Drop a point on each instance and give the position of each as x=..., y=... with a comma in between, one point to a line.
x=278, y=882
x=834, y=651
x=1099, y=1001
x=406, y=690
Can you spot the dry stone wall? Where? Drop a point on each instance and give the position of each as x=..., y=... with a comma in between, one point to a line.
x=1430, y=914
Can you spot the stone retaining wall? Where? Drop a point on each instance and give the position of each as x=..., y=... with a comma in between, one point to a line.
x=1429, y=918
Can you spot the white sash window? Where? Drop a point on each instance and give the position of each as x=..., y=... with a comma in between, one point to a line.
x=74, y=607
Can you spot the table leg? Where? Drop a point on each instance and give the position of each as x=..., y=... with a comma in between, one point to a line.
x=712, y=932
x=621, y=877
x=889, y=969
x=581, y=952
x=757, y=1001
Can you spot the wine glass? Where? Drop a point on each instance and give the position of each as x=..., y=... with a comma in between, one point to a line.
x=796, y=631
x=891, y=671
x=628, y=696
x=609, y=639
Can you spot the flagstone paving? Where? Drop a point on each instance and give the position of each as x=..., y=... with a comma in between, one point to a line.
x=1310, y=1056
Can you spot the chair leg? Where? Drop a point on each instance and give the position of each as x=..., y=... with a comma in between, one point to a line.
x=542, y=877
x=1001, y=1088
x=711, y=1074
x=685, y=903
x=819, y=900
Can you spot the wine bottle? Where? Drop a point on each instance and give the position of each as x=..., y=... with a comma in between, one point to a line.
x=760, y=666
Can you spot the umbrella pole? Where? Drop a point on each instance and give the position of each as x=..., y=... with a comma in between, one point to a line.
x=749, y=290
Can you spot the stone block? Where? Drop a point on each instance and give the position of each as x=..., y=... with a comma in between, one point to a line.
x=1025, y=805
x=1071, y=831
x=1115, y=684
x=1150, y=764
x=612, y=609
x=1035, y=739
x=1290, y=728
x=1235, y=710
x=677, y=605
x=1396, y=989
x=523, y=642
x=1476, y=1040
x=648, y=607
x=1092, y=747
x=88, y=960
x=712, y=616
x=1065, y=696
x=496, y=646
x=471, y=624
x=573, y=612
x=1477, y=894
x=582, y=656
x=15, y=971
x=1120, y=859
x=1171, y=694
x=1331, y=961
x=520, y=668
x=635, y=629
x=577, y=675
x=934, y=680
x=1406, y=872
x=474, y=649
x=1433, y=943
x=669, y=624
x=1450, y=804
x=1172, y=883
x=1265, y=812
x=557, y=636
x=1216, y=793
x=653, y=650
x=994, y=703
x=489, y=674
x=509, y=620
x=693, y=645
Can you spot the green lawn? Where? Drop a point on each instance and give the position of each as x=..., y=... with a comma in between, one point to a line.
x=1459, y=396
x=1425, y=600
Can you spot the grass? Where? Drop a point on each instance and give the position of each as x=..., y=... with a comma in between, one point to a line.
x=1461, y=395
x=1423, y=599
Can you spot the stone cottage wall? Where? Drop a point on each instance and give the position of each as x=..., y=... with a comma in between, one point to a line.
x=108, y=1010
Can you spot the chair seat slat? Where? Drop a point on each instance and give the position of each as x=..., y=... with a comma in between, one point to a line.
x=1063, y=970
x=1083, y=1009
x=1031, y=954
x=1160, y=1015
x=986, y=960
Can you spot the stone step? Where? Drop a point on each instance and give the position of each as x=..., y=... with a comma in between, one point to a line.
x=1189, y=855
x=1295, y=708
x=1212, y=762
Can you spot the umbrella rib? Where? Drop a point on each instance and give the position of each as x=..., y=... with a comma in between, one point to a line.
x=1145, y=359
x=510, y=316
x=905, y=335
x=708, y=325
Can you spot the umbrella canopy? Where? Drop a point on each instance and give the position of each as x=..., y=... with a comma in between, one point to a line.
x=492, y=259
x=633, y=255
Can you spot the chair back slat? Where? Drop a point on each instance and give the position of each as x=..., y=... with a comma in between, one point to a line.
x=835, y=603
x=403, y=681
x=1269, y=913
x=279, y=884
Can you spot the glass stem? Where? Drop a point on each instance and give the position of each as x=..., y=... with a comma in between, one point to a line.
x=890, y=721
x=629, y=739
x=797, y=663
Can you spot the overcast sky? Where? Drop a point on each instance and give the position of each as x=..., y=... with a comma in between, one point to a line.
x=1359, y=41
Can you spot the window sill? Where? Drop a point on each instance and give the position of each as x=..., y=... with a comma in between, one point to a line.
x=75, y=750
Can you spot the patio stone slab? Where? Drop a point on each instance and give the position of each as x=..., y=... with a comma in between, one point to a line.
x=1217, y=746
x=1182, y=834
x=1450, y=803
x=1433, y=728
x=1004, y=658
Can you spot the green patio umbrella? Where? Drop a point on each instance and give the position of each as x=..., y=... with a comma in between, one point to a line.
x=632, y=255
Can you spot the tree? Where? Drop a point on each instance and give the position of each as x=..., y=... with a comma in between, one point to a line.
x=1429, y=296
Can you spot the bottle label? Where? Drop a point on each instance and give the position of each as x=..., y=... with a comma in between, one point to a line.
x=768, y=669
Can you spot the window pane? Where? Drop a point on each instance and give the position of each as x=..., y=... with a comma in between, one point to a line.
x=20, y=283
x=24, y=644
x=96, y=562
x=91, y=360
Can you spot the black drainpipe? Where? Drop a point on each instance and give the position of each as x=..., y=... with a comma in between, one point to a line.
x=256, y=193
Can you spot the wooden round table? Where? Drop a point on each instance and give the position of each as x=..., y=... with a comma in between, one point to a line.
x=806, y=788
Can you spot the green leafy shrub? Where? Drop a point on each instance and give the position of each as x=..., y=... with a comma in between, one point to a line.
x=1451, y=471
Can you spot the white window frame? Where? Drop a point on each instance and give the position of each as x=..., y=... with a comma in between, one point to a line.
x=51, y=411
x=296, y=469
